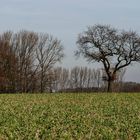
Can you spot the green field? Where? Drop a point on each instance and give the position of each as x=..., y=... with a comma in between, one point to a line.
x=70, y=116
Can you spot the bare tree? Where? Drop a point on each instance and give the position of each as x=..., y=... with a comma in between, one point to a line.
x=25, y=43
x=114, y=49
x=61, y=79
x=74, y=78
x=57, y=76
x=8, y=63
x=120, y=79
x=98, y=78
x=49, y=51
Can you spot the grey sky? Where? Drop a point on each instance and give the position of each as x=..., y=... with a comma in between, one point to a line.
x=64, y=19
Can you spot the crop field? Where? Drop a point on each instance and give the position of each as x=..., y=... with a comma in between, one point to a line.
x=98, y=116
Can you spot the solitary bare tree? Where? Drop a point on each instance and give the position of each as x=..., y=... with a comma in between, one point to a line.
x=114, y=49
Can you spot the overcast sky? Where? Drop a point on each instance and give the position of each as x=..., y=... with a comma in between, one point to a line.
x=65, y=19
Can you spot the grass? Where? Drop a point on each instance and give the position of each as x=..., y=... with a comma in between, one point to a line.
x=70, y=116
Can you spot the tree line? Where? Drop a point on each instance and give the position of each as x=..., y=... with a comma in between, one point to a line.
x=27, y=60
x=80, y=79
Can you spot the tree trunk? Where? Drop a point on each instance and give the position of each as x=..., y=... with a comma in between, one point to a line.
x=109, y=87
